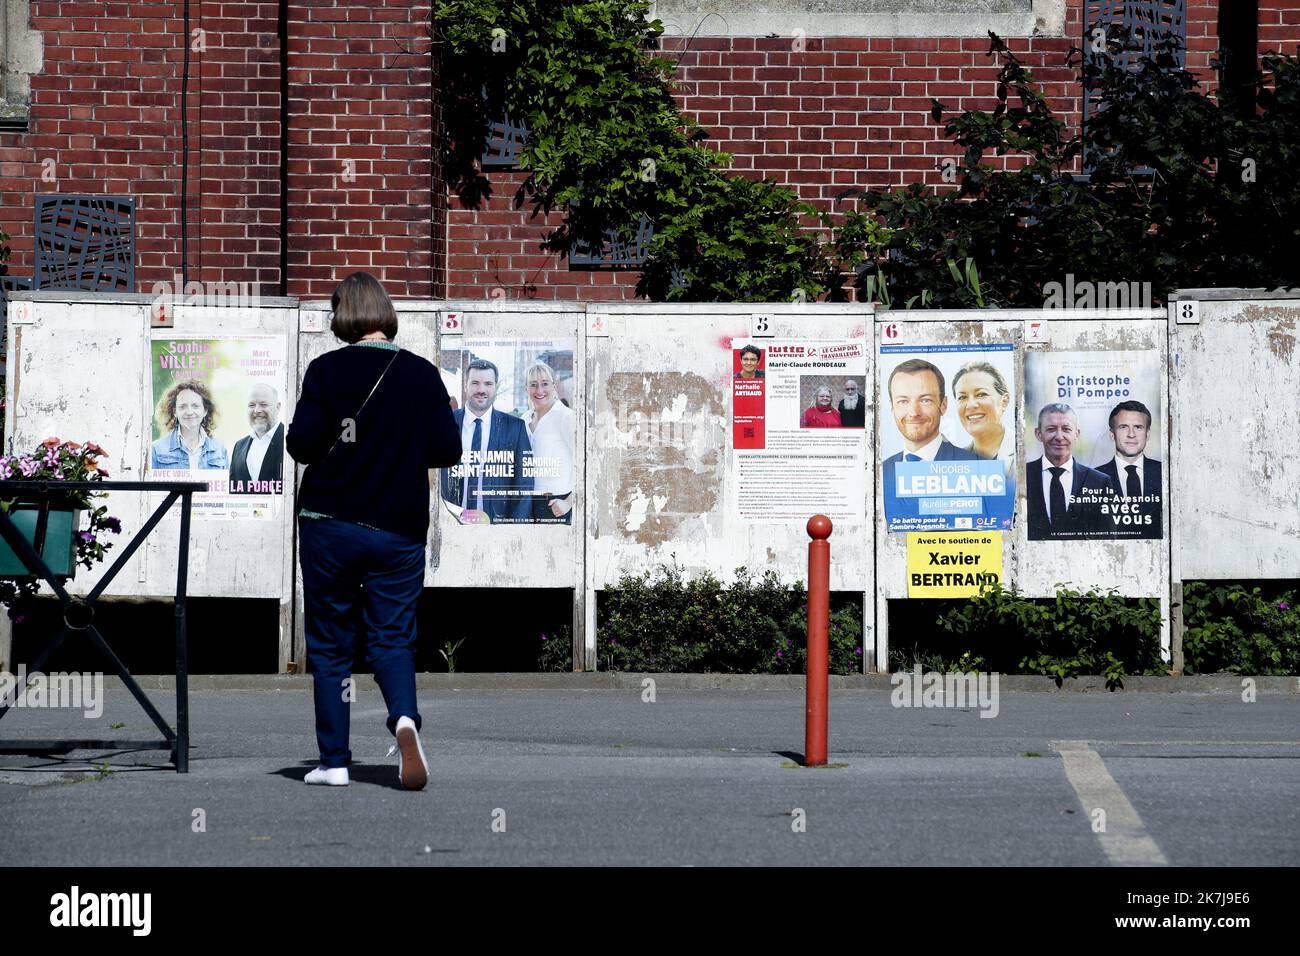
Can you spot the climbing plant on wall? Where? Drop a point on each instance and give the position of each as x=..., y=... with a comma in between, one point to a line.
x=607, y=143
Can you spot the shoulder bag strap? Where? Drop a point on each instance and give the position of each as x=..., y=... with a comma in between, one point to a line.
x=373, y=389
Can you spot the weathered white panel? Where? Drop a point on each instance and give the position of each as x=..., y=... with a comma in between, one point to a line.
x=504, y=556
x=1135, y=568
x=994, y=329
x=1235, y=384
x=659, y=466
x=79, y=369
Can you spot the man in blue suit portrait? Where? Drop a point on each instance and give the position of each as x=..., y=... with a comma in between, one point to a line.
x=1134, y=475
x=484, y=492
x=1055, y=482
x=917, y=402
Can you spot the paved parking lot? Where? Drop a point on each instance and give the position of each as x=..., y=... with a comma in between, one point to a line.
x=698, y=777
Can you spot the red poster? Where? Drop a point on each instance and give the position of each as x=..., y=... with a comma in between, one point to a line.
x=748, y=402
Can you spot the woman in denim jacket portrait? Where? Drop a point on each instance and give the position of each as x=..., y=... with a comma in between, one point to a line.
x=188, y=414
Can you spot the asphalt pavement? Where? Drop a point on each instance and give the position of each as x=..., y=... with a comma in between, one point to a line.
x=560, y=776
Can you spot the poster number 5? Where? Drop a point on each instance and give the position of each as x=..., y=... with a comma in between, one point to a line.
x=761, y=327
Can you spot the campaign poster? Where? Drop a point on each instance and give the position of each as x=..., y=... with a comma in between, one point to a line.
x=945, y=564
x=218, y=416
x=1094, y=445
x=798, y=430
x=948, y=437
x=514, y=403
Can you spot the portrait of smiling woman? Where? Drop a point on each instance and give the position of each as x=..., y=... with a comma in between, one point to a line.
x=551, y=431
x=982, y=398
x=188, y=415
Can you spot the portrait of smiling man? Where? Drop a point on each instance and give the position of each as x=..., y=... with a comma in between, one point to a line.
x=1054, y=481
x=1131, y=472
x=917, y=404
x=484, y=495
x=258, y=457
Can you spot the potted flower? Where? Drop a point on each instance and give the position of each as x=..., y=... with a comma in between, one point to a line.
x=52, y=524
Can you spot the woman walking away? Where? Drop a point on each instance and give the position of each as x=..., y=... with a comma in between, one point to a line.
x=371, y=422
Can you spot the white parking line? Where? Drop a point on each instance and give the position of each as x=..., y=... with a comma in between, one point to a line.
x=1125, y=840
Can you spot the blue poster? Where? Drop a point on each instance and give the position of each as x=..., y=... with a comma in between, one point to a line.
x=948, y=437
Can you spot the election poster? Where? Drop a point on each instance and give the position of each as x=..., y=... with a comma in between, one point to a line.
x=1094, y=446
x=218, y=417
x=514, y=404
x=950, y=564
x=948, y=437
x=798, y=432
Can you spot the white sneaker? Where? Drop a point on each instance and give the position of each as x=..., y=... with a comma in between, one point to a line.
x=328, y=777
x=412, y=769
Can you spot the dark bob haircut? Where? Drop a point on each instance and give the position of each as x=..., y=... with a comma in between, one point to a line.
x=361, y=306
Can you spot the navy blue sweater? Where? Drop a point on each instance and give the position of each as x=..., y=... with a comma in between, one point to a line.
x=380, y=477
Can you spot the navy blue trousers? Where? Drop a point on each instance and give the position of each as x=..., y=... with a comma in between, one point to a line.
x=351, y=574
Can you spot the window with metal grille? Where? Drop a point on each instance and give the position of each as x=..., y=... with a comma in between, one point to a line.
x=1142, y=26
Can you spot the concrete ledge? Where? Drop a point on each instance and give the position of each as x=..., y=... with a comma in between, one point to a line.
x=861, y=18
x=1198, y=684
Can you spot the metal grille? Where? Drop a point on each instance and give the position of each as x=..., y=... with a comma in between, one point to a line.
x=504, y=141
x=1144, y=25
x=85, y=242
x=614, y=253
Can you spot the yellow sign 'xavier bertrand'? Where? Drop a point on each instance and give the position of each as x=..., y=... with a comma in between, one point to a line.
x=952, y=564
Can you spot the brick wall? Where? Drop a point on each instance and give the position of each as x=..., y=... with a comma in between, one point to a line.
x=105, y=113
x=839, y=113
x=360, y=147
x=105, y=118
x=1279, y=26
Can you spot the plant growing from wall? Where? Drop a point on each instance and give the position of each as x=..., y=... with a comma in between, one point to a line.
x=1185, y=192
x=607, y=142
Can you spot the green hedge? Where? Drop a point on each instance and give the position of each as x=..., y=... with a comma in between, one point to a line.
x=1240, y=629
x=1072, y=634
x=662, y=621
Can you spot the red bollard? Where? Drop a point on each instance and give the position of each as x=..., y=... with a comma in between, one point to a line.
x=819, y=614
